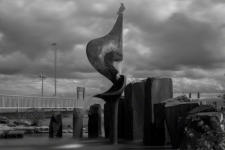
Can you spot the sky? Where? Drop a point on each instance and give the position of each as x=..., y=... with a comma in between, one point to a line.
x=180, y=39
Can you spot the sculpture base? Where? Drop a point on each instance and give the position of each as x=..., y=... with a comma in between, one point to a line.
x=113, y=134
x=112, y=97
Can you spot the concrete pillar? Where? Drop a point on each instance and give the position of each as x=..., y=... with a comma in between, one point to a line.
x=94, y=121
x=113, y=134
x=134, y=110
x=55, y=126
x=78, y=114
x=173, y=115
x=156, y=91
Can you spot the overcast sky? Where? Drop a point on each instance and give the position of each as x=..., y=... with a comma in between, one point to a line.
x=181, y=39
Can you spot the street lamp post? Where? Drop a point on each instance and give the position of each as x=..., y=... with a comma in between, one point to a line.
x=55, y=71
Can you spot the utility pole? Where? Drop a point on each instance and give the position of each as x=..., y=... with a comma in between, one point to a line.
x=55, y=49
x=42, y=76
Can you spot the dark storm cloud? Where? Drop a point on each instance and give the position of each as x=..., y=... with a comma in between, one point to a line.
x=29, y=28
x=185, y=42
x=179, y=39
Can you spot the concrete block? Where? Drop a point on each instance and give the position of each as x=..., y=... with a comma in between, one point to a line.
x=94, y=121
x=55, y=126
x=78, y=114
x=156, y=91
x=134, y=110
x=174, y=114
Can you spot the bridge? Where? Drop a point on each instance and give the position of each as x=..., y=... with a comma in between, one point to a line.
x=20, y=103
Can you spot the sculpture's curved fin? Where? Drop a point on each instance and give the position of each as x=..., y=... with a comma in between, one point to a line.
x=115, y=91
x=104, y=52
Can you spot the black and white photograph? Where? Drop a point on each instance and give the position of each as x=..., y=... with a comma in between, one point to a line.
x=112, y=74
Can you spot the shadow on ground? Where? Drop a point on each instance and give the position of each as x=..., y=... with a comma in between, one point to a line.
x=67, y=143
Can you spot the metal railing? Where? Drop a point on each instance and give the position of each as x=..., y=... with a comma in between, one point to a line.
x=16, y=101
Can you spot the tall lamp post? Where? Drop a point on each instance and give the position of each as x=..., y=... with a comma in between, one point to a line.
x=55, y=71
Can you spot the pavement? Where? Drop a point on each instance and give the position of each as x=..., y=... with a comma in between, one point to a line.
x=67, y=143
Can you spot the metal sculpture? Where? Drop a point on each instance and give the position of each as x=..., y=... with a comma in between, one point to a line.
x=105, y=55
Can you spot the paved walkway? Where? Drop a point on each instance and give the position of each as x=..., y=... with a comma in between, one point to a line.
x=67, y=143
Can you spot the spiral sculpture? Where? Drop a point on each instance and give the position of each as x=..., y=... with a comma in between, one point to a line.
x=106, y=54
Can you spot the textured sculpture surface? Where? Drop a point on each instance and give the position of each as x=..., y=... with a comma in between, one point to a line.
x=105, y=55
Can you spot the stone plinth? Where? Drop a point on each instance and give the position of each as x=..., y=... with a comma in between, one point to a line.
x=174, y=116
x=156, y=91
x=141, y=116
x=134, y=110
x=94, y=121
x=55, y=126
x=78, y=114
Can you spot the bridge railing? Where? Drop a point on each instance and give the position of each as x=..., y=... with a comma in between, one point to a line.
x=15, y=101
